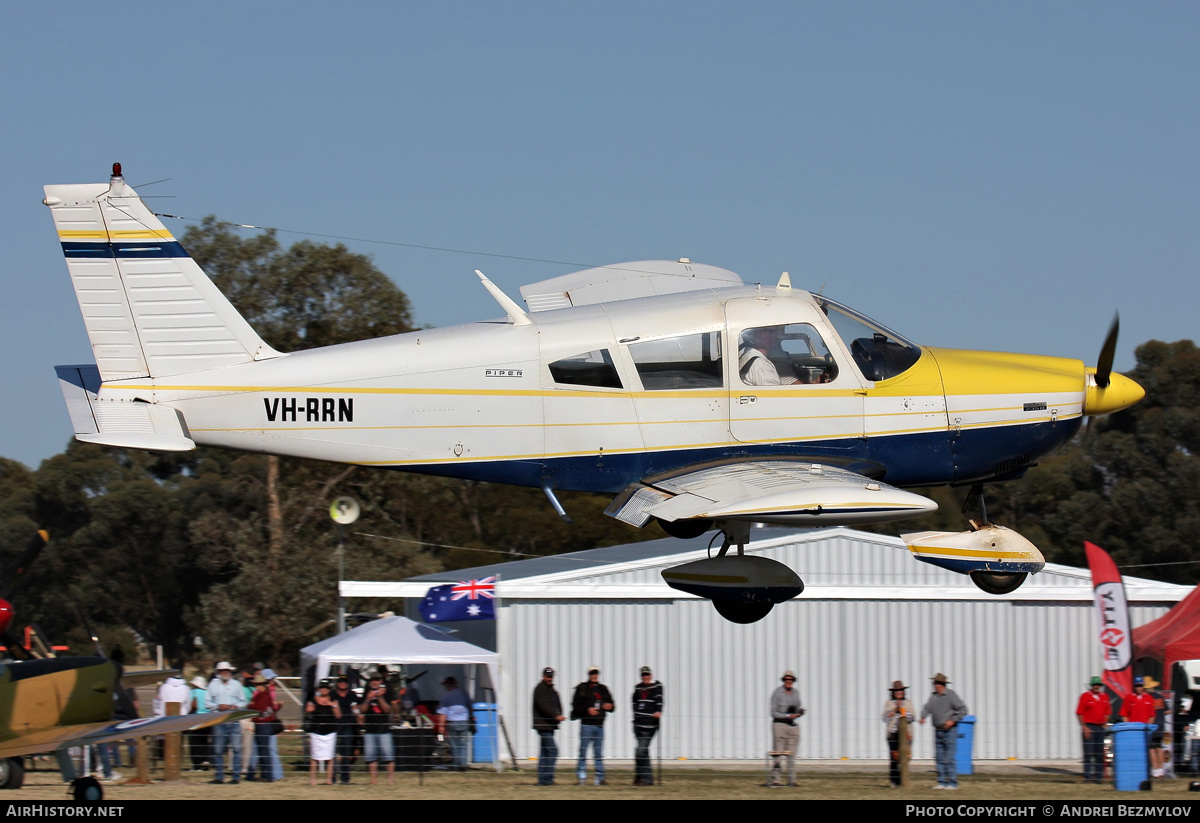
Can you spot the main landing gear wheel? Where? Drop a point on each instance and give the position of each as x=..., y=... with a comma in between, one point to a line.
x=685, y=529
x=998, y=583
x=742, y=612
x=12, y=773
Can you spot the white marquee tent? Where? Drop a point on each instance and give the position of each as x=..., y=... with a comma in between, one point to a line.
x=400, y=640
x=397, y=640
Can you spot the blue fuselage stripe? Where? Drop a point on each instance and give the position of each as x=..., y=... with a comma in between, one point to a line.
x=924, y=459
x=132, y=249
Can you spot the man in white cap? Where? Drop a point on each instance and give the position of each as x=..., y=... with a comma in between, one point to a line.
x=786, y=709
x=226, y=694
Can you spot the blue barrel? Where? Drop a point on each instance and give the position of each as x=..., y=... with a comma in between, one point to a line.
x=486, y=746
x=964, y=744
x=1131, y=756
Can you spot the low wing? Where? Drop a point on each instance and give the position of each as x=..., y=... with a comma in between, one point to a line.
x=38, y=741
x=789, y=492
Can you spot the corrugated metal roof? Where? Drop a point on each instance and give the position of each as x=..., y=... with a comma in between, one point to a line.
x=836, y=563
x=586, y=560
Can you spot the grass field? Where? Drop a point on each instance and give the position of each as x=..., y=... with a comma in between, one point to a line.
x=735, y=782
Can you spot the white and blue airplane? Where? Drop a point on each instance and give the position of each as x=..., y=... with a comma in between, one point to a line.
x=694, y=399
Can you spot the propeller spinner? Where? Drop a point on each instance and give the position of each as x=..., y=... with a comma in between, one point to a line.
x=1106, y=392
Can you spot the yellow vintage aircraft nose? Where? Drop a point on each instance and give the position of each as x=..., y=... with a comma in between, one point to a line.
x=1121, y=393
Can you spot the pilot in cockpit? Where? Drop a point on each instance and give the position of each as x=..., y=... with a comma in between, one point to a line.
x=762, y=360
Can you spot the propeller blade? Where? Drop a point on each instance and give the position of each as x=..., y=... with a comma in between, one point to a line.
x=1107, y=352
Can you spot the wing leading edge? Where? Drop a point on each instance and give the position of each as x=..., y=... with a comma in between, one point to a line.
x=787, y=492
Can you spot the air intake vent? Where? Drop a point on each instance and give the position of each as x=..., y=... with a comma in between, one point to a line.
x=1009, y=466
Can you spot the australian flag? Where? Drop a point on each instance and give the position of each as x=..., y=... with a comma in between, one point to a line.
x=465, y=600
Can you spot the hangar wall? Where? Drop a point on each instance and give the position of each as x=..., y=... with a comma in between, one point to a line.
x=1019, y=667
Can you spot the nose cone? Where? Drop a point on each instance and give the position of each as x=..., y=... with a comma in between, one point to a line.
x=1121, y=393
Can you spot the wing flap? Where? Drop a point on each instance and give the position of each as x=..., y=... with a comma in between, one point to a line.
x=786, y=492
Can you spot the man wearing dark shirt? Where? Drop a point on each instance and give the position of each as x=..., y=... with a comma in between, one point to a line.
x=374, y=713
x=647, y=709
x=547, y=714
x=347, y=701
x=591, y=704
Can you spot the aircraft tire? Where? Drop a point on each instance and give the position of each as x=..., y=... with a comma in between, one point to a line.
x=742, y=612
x=998, y=583
x=685, y=529
x=87, y=790
x=12, y=773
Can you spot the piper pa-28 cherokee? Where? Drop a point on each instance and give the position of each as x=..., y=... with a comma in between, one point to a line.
x=698, y=401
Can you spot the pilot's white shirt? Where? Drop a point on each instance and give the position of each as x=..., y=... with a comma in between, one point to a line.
x=762, y=371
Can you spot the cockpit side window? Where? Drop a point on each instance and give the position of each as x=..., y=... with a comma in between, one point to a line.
x=593, y=368
x=878, y=352
x=692, y=361
x=788, y=354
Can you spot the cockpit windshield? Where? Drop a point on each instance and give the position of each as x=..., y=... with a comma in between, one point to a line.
x=878, y=351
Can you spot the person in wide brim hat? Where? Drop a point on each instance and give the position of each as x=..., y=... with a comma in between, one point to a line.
x=897, y=706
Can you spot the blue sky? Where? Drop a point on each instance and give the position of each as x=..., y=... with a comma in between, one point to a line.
x=978, y=175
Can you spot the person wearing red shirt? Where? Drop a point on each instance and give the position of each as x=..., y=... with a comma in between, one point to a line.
x=1093, y=711
x=1143, y=707
x=1139, y=706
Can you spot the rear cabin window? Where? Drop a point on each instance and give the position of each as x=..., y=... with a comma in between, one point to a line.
x=593, y=368
x=691, y=361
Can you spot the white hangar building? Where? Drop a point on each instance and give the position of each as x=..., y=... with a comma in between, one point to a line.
x=869, y=614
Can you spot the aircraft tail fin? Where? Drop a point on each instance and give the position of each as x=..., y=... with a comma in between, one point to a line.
x=149, y=309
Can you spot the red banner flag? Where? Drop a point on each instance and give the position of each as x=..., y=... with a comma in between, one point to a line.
x=1112, y=621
